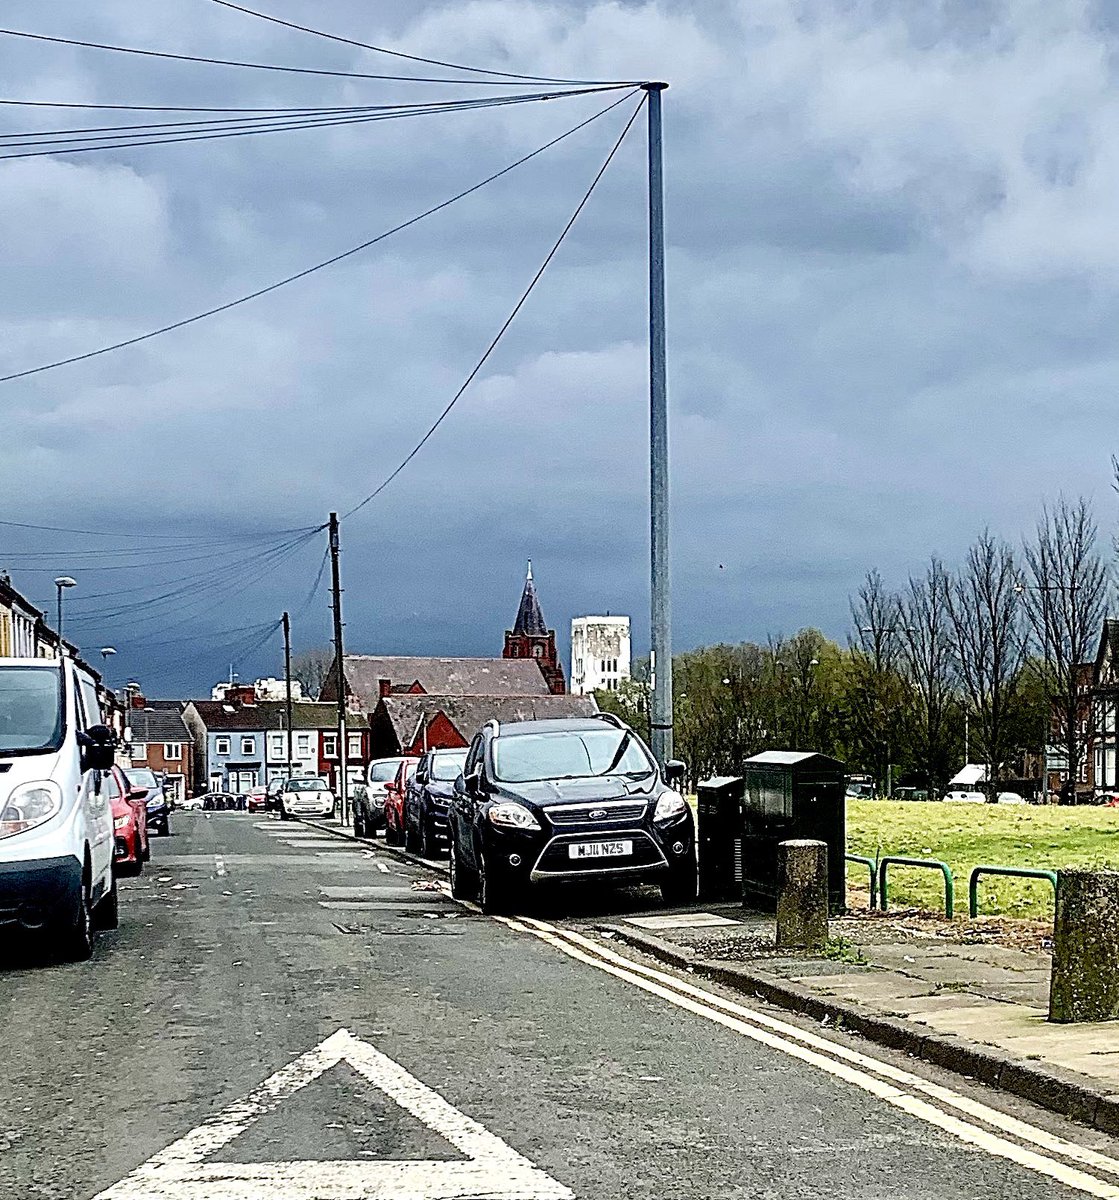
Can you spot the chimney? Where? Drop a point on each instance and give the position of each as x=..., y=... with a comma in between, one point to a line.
x=138, y=700
x=385, y=687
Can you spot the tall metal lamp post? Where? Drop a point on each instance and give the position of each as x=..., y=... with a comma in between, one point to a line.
x=61, y=583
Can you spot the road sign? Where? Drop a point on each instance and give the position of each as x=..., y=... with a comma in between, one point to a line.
x=186, y=1170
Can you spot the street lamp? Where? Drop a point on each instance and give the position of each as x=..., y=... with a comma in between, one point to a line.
x=106, y=651
x=62, y=582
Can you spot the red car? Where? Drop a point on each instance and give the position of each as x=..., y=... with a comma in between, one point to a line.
x=130, y=825
x=394, y=801
x=258, y=799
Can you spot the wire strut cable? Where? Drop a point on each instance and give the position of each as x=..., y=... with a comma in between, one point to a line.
x=337, y=258
x=431, y=62
x=508, y=321
x=252, y=66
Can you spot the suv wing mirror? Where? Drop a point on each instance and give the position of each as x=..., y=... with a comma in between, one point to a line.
x=674, y=771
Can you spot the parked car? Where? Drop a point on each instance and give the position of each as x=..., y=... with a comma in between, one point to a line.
x=147, y=786
x=56, y=825
x=394, y=802
x=964, y=797
x=567, y=800
x=219, y=801
x=309, y=797
x=131, y=848
x=272, y=795
x=257, y=799
x=192, y=803
x=427, y=800
x=1010, y=798
x=369, y=808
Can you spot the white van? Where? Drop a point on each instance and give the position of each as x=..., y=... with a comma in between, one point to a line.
x=56, y=824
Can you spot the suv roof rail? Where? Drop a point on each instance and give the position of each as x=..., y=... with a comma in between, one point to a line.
x=611, y=719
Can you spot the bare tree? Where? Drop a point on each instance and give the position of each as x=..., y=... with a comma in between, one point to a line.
x=310, y=669
x=928, y=665
x=878, y=707
x=985, y=610
x=1064, y=596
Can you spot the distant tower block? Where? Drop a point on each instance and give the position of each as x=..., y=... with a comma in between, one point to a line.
x=600, y=654
x=530, y=637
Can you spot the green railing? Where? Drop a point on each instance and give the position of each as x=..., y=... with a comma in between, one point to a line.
x=1010, y=872
x=933, y=864
x=872, y=867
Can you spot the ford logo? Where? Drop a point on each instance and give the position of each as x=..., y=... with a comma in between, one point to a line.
x=597, y=814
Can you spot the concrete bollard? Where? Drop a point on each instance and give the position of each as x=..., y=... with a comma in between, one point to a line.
x=1084, y=985
x=802, y=895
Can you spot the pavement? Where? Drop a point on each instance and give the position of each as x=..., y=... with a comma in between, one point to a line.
x=285, y=1014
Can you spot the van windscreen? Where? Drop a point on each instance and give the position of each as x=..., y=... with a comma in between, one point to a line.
x=30, y=710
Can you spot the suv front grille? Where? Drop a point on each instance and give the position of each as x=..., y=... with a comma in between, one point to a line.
x=578, y=816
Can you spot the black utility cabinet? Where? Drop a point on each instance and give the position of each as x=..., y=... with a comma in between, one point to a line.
x=792, y=794
x=719, y=831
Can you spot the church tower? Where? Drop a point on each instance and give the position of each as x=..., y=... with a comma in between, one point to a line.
x=530, y=637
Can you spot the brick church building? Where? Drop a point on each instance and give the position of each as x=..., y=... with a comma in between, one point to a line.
x=530, y=637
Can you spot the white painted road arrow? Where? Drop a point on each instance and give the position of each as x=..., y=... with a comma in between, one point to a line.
x=494, y=1170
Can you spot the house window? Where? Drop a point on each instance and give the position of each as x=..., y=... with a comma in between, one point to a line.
x=538, y=652
x=173, y=751
x=304, y=744
x=139, y=752
x=330, y=745
x=354, y=740
x=221, y=745
x=279, y=745
x=248, y=745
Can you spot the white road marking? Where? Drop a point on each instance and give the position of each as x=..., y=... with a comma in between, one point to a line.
x=493, y=1170
x=219, y=865
x=862, y=1071
x=382, y=867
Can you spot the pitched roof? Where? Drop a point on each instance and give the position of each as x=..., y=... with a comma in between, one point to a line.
x=444, y=676
x=469, y=713
x=157, y=725
x=219, y=716
x=530, y=620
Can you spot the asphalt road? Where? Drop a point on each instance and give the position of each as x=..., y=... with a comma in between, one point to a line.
x=200, y=1054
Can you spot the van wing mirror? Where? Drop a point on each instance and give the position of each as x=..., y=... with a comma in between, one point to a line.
x=96, y=748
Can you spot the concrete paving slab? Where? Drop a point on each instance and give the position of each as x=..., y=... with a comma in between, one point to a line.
x=700, y=920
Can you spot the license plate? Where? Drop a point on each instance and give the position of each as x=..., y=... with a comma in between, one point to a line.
x=600, y=849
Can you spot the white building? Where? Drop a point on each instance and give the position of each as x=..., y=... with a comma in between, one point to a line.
x=264, y=689
x=600, y=654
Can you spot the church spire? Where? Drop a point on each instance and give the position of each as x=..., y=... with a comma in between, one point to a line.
x=530, y=620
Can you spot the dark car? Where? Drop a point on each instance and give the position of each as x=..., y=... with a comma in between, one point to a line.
x=428, y=799
x=568, y=800
x=147, y=786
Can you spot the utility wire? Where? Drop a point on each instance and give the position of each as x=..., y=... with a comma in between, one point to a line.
x=173, y=129
x=337, y=258
x=325, y=122
x=508, y=321
x=270, y=536
x=252, y=66
x=77, y=104
x=431, y=62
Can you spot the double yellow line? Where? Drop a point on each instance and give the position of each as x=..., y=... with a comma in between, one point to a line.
x=969, y=1120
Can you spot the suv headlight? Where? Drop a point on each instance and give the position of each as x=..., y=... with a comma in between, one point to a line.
x=30, y=805
x=512, y=816
x=669, y=806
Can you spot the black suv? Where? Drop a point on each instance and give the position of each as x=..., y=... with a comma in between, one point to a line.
x=542, y=801
x=427, y=800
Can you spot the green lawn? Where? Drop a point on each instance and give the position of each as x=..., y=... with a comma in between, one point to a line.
x=965, y=835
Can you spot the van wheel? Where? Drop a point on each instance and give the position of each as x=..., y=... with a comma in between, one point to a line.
x=76, y=937
x=107, y=913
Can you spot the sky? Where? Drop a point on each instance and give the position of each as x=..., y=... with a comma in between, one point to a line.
x=892, y=304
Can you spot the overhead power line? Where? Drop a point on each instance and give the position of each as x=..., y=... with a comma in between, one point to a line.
x=337, y=258
x=271, y=535
x=252, y=66
x=126, y=141
x=431, y=62
x=508, y=321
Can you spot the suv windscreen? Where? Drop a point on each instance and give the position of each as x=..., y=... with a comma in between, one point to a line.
x=569, y=754
x=447, y=767
x=30, y=710
x=384, y=772
x=305, y=785
x=141, y=777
